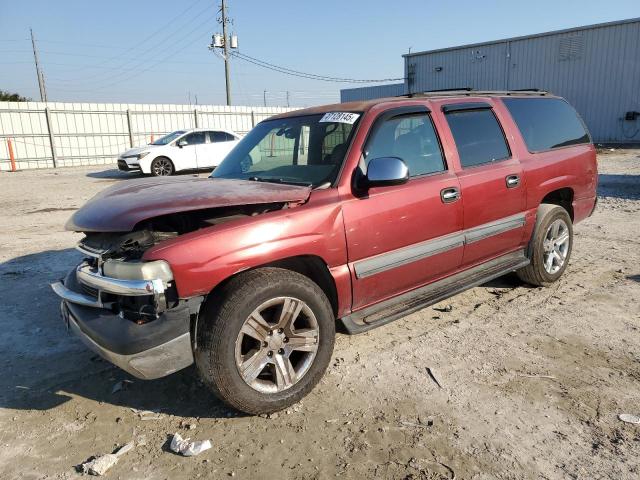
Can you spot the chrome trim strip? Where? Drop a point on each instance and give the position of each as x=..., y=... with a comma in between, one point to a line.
x=74, y=297
x=497, y=227
x=405, y=255
x=418, y=251
x=117, y=286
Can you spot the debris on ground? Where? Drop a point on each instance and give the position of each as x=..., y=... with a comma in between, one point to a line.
x=428, y=424
x=148, y=414
x=121, y=385
x=433, y=377
x=99, y=465
x=446, y=308
x=629, y=418
x=524, y=375
x=187, y=426
x=185, y=447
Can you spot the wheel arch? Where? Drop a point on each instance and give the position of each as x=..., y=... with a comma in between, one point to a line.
x=311, y=266
x=562, y=197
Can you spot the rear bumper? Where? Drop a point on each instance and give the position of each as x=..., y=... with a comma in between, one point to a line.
x=150, y=350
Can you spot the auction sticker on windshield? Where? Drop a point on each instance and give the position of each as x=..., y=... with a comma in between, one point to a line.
x=340, y=117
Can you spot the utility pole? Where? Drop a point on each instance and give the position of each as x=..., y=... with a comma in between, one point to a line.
x=224, y=42
x=227, y=77
x=264, y=98
x=287, y=98
x=43, y=89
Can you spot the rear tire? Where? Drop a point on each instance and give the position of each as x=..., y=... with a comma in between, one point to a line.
x=550, y=246
x=265, y=339
x=162, y=167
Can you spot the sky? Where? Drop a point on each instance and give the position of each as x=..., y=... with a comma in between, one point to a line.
x=155, y=51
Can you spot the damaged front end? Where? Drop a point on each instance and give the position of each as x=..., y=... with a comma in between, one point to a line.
x=128, y=309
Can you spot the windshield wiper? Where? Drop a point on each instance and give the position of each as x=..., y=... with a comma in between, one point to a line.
x=280, y=180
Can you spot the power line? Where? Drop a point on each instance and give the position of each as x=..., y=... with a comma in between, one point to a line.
x=131, y=64
x=311, y=76
x=134, y=71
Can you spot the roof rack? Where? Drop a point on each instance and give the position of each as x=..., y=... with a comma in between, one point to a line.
x=470, y=92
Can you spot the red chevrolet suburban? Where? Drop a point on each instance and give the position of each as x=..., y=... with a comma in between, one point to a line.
x=353, y=214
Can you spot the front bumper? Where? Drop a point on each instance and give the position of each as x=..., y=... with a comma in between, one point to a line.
x=127, y=167
x=149, y=350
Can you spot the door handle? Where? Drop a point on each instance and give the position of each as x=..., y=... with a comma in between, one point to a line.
x=449, y=195
x=512, y=181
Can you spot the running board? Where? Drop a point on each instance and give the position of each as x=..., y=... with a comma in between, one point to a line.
x=406, y=303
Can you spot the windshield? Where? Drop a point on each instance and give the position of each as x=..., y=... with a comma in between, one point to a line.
x=168, y=138
x=306, y=150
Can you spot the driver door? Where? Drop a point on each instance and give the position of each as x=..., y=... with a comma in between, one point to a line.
x=187, y=156
x=403, y=236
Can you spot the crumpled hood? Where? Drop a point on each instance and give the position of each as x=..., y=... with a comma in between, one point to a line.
x=120, y=207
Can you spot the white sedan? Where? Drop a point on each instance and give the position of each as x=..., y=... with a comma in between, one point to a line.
x=180, y=150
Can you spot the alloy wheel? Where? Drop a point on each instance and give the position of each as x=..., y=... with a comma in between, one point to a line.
x=556, y=246
x=277, y=344
x=162, y=167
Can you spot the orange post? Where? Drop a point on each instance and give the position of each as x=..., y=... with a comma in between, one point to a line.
x=11, y=157
x=152, y=138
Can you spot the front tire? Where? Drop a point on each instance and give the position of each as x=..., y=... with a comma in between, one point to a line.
x=162, y=167
x=550, y=247
x=265, y=339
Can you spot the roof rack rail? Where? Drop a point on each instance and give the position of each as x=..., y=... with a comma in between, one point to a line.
x=469, y=92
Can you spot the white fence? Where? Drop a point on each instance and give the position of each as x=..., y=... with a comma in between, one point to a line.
x=46, y=135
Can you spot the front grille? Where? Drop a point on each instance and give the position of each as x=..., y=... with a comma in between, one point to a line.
x=86, y=289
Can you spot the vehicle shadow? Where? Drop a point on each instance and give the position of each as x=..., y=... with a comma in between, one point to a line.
x=619, y=186
x=44, y=366
x=114, y=174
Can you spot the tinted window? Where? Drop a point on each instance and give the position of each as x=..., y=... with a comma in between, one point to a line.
x=221, y=137
x=478, y=136
x=194, y=138
x=411, y=138
x=546, y=123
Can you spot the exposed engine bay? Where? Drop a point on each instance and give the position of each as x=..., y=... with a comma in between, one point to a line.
x=132, y=245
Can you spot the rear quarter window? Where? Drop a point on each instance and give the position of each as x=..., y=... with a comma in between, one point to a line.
x=547, y=123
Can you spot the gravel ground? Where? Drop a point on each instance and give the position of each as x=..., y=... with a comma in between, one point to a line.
x=532, y=379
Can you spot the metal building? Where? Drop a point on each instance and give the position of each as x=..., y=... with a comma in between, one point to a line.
x=376, y=91
x=595, y=67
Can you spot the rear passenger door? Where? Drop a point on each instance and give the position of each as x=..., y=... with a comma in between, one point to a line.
x=493, y=195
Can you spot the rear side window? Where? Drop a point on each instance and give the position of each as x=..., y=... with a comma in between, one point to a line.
x=478, y=136
x=411, y=138
x=216, y=137
x=547, y=123
x=194, y=138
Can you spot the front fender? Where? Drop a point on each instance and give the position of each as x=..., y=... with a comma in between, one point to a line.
x=201, y=260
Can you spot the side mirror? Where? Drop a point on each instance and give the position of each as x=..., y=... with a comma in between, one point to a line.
x=181, y=143
x=384, y=171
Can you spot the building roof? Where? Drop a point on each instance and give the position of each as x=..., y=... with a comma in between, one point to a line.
x=525, y=37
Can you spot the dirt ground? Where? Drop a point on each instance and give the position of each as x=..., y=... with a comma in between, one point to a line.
x=532, y=379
